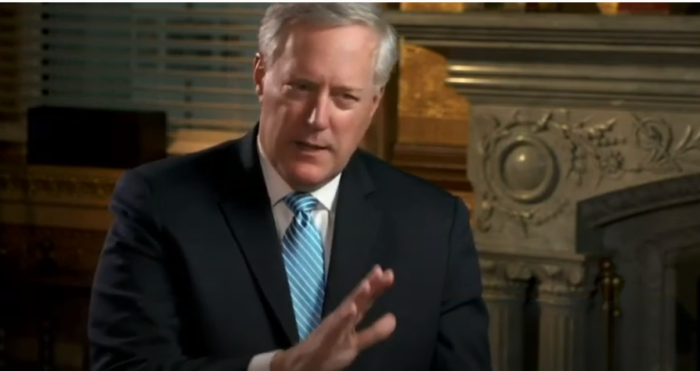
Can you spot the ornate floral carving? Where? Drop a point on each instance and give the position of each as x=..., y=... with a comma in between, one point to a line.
x=655, y=135
x=590, y=145
x=595, y=151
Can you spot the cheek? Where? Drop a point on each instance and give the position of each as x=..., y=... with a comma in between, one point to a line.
x=281, y=109
x=294, y=108
x=291, y=117
x=349, y=127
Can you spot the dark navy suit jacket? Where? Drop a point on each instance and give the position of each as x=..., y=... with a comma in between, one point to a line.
x=191, y=276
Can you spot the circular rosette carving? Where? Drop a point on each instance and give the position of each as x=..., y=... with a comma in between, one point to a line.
x=520, y=172
x=525, y=169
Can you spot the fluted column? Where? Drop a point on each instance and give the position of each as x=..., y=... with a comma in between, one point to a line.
x=562, y=296
x=504, y=295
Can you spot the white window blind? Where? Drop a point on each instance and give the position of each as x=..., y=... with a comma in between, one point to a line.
x=191, y=60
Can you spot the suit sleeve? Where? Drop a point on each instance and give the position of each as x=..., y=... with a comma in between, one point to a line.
x=133, y=321
x=462, y=343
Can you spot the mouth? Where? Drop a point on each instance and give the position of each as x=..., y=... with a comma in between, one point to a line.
x=308, y=147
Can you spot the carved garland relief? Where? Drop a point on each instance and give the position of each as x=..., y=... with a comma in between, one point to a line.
x=525, y=159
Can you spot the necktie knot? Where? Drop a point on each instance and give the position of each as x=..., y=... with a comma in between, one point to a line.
x=301, y=202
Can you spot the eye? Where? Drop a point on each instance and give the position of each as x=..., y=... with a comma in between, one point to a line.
x=302, y=86
x=350, y=97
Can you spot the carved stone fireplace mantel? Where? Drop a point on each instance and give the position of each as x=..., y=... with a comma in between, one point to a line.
x=568, y=110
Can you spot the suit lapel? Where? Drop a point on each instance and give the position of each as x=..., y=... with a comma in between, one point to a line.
x=245, y=205
x=246, y=208
x=357, y=220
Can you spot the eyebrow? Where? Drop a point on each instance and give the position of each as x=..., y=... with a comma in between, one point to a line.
x=346, y=89
x=341, y=88
x=304, y=80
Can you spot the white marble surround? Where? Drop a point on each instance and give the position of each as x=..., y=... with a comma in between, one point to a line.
x=585, y=143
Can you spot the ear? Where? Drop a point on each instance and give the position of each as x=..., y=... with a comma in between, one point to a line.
x=258, y=73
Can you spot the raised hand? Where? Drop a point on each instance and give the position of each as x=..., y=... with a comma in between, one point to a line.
x=336, y=342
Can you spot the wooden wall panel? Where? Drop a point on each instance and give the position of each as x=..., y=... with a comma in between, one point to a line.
x=428, y=122
x=53, y=221
x=430, y=113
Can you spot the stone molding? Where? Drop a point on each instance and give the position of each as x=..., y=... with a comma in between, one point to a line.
x=613, y=206
x=562, y=275
x=563, y=59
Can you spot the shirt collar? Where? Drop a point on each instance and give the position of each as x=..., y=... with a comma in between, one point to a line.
x=277, y=188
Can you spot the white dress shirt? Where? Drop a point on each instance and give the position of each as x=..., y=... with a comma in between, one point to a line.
x=324, y=218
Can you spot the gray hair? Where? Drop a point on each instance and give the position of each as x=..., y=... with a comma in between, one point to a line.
x=279, y=17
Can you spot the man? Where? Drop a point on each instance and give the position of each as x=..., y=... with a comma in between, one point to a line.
x=290, y=249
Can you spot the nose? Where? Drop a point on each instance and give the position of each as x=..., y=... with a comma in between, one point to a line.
x=319, y=115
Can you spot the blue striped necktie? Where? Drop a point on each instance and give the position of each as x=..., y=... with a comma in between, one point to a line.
x=303, y=259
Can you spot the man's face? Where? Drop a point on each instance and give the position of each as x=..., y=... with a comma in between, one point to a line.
x=317, y=101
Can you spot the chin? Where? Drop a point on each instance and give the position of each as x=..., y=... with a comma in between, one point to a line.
x=305, y=176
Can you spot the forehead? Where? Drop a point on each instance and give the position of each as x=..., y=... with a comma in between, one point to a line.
x=343, y=54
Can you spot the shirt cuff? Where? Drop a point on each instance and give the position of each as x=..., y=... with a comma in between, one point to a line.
x=261, y=362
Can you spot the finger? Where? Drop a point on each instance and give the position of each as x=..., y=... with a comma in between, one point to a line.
x=359, y=301
x=337, y=324
x=386, y=281
x=363, y=290
x=378, y=280
x=374, y=274
x=378, y=285
x=344, y=317
x=379, y=331
x=382, y=282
